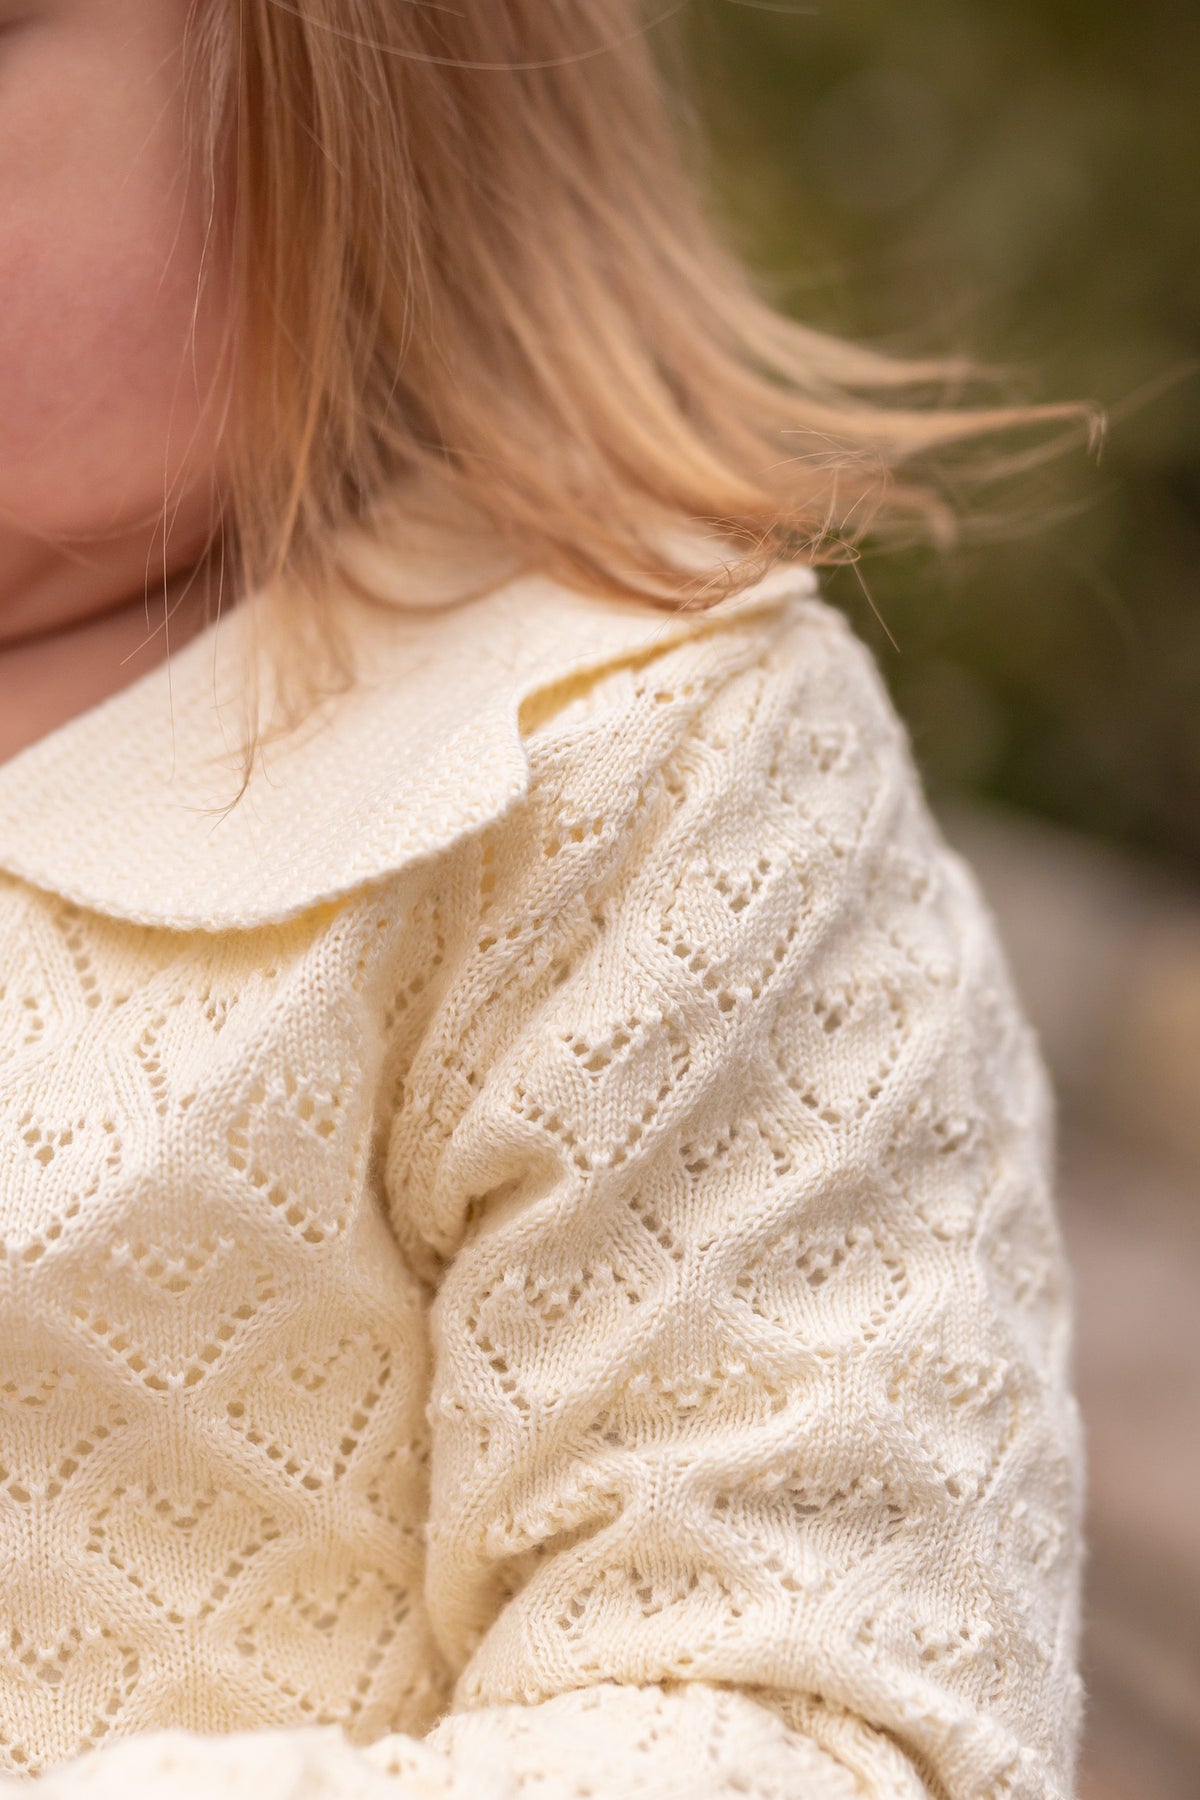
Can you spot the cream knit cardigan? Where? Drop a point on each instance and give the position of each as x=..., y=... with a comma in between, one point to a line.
x=530, y=1266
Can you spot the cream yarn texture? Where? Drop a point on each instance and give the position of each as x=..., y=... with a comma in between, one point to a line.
x=580, y=1317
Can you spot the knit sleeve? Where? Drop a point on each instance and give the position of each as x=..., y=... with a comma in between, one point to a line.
x=756, y=1467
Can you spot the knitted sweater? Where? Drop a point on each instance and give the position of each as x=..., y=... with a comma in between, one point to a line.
x=530, y=1266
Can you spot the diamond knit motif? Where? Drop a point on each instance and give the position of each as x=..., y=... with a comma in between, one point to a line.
x=585, y=1317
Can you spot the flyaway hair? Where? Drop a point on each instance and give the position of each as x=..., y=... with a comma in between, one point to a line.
x=479, y=301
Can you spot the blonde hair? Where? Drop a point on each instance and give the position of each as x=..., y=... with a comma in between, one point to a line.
x=477, y=294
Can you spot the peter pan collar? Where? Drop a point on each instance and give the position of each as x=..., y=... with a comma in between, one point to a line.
x=125, y=809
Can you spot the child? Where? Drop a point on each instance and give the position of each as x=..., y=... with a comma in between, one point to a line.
x=530, y=1263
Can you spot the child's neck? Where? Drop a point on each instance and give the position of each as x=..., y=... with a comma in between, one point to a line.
x=50, y=676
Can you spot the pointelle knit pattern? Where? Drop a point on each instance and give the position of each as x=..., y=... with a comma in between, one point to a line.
x=579, y=1315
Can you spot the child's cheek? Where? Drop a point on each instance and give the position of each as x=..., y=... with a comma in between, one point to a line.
x=105, y=357
x=101, y=370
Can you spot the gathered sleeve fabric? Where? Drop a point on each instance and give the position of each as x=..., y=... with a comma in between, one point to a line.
x=756, y=1464
x=727, y=1156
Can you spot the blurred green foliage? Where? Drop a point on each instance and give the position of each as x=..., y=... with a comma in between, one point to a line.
x=1018, y=181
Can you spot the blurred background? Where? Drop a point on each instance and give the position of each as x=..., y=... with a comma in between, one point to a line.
x=1020, y=181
